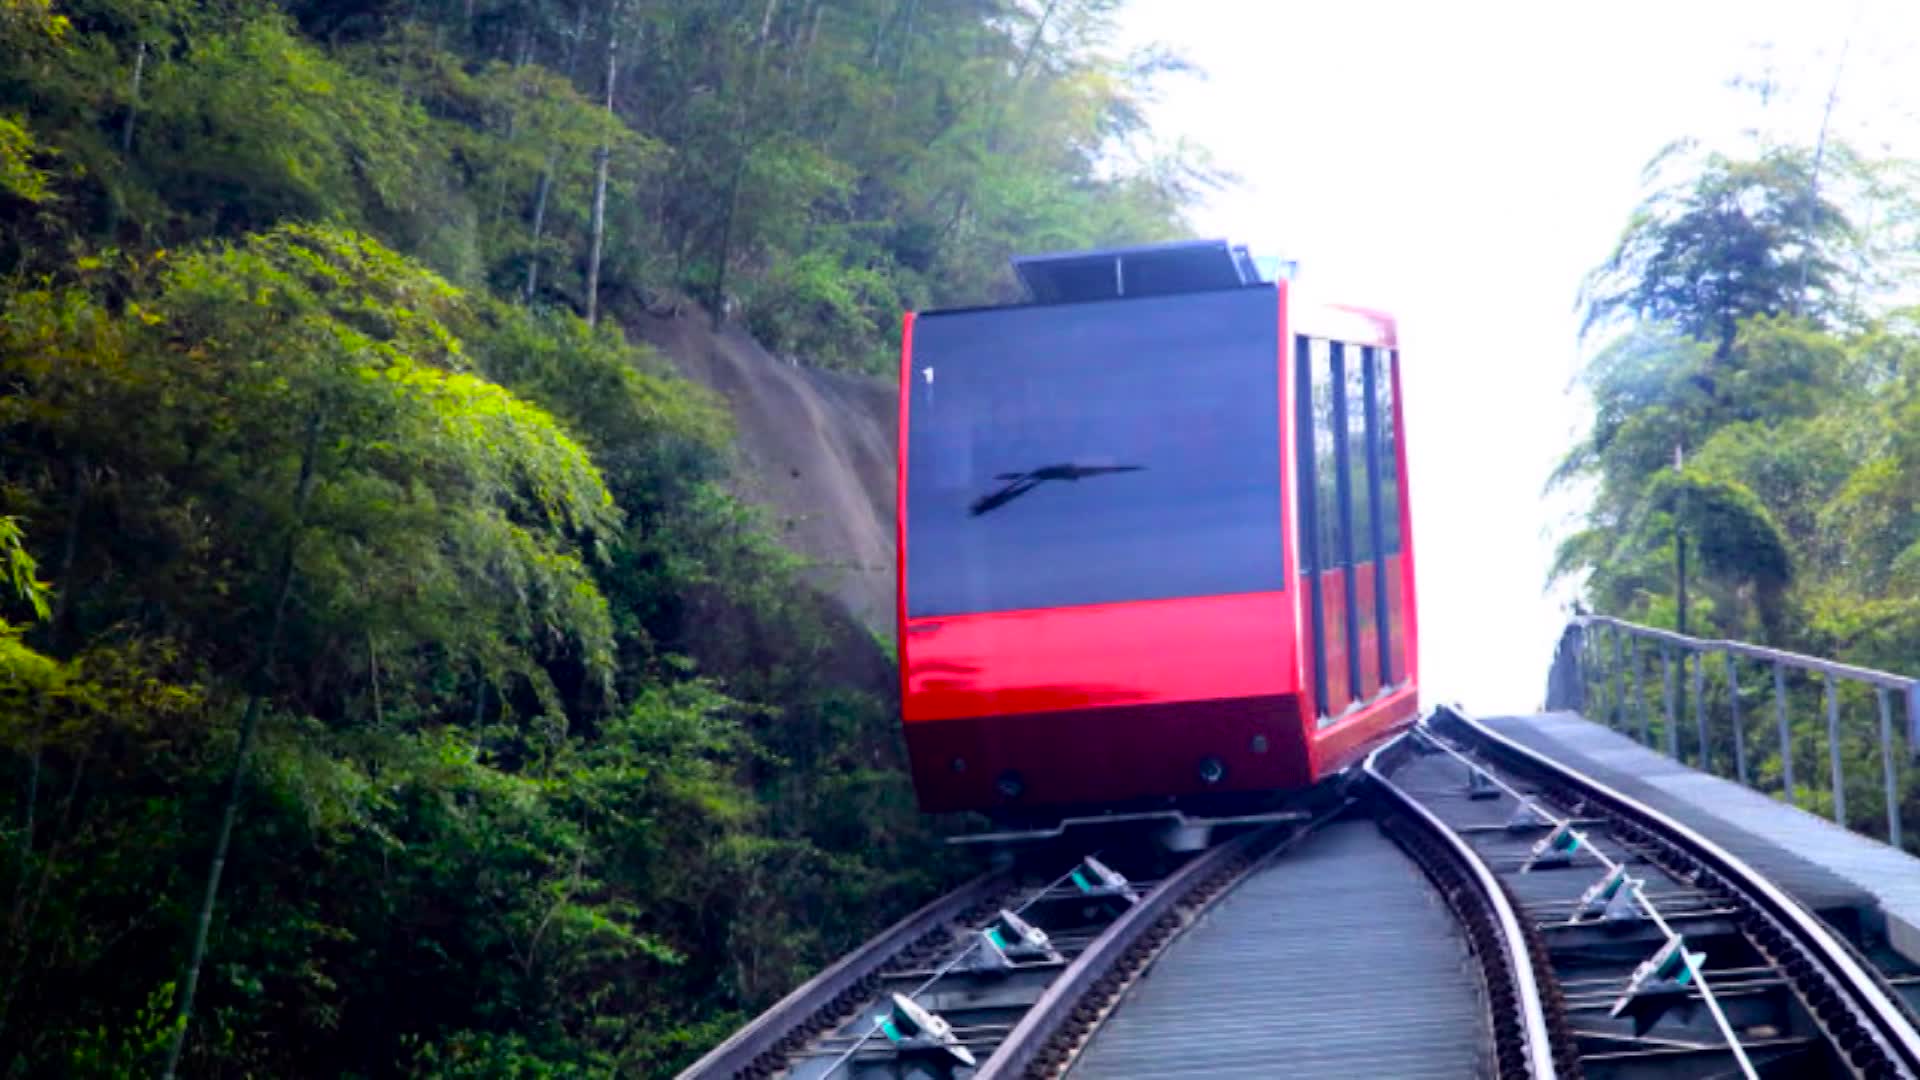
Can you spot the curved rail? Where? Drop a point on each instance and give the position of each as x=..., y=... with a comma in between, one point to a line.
x=1530, y=1013
x=1885, y=1021
x=1052, y=1017
x=807, y=1007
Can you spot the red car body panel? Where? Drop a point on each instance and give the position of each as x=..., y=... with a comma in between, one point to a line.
x=1112, y=704
x=1149, y=652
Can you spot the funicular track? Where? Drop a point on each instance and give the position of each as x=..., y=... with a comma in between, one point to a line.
x=958, y=988
x=1608, y=941
x=1035, y=1015
x=1659, y=953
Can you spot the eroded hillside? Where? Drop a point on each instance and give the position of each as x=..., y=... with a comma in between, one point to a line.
x=815, y=448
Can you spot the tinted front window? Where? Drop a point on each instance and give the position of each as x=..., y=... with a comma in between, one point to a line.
x=1094, y=453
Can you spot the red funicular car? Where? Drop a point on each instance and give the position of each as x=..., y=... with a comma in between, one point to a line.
x=1154, y=542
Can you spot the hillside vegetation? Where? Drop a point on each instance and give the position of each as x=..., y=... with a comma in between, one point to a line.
x=387, y=684
x=1757, y=394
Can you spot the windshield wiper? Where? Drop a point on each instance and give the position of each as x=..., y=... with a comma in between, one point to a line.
x=1019, y=484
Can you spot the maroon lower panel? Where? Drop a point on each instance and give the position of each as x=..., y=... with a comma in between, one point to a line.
x=1108, y=755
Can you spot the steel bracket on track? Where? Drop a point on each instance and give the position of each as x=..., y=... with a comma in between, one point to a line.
x=1527, y=817
x=1659, y=984
x=911, y=1028
x=1611, y=899
x=1555, y=849
x=1009, y=939
x=1479, y=785
x=1095, y=881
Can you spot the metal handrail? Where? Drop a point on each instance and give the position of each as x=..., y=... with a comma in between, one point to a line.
x=1758, y=652
x=1570, y=680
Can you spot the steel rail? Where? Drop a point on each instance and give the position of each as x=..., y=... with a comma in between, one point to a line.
x=1637, y=888
x=794, y=1014
x=1050, y=1017
x=1520, y=960
x=1883, y=1020
x=944, y=969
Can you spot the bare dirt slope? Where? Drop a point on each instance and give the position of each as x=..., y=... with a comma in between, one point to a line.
x=815, y=448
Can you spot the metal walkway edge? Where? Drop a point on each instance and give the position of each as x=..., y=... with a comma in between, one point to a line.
x=1824, y=866
x=1338, y=961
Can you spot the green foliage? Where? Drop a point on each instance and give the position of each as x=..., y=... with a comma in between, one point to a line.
x=1754, y=335
x=1734, y=534
x=814, y=306
x=32, y=18
x=1730, y=240
x=124, y=1053
x=558, y=767
x=18, y=176
x=19, y=567
x=813, y=168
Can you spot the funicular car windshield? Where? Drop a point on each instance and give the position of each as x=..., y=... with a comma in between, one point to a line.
x=1092, y=453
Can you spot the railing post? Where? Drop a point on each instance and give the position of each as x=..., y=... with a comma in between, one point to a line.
x=1666, y=676
x=1739, y=733
x=1576, y=685
x=1913, y=718
x=1833, y=752
x=1566, y=684
x=1700, y=709
x=1577, y=670
x=1886, y=765
x=1613, y=681
x=1786, y=733
x=1587, y=679
x=1639, y=688
x=1594, y=690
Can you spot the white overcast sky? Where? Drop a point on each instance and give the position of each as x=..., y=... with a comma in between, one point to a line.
x=1463, y=164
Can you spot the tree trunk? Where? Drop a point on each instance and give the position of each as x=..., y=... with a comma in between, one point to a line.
x=539, y=222
x=546, y=173
x=906, y=46
x=1813, y=177
x=718, y=302
x=56, y=643
x=26, y=830
x=373, y=678
x=600, y=165
x=599, y=234
x=743, y=150
x=133, y=99
x=806, y=50
x=29, y=902
x=880, y=36
x=499, y=200
x=1020, y=73
x=249, y=721
x=69, y=548
x=579, y=34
